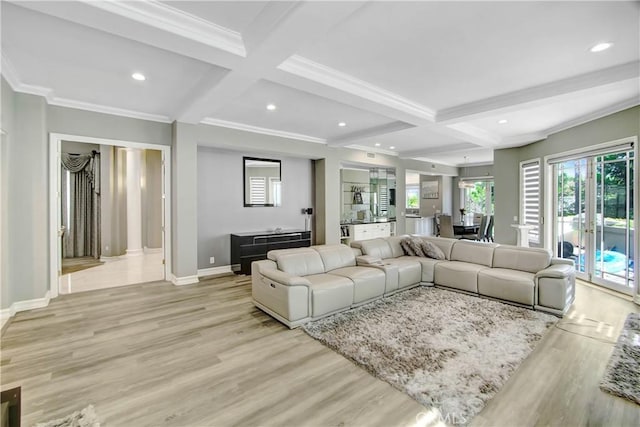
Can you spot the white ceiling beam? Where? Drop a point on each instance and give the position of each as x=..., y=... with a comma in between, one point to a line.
x=162, y=16
x=426, y=152
x=538, y=95
x=278, y=32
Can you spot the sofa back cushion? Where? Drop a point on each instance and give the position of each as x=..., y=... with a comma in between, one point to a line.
x=445, y=244
x=299, y=263
x=394, y=244
x=519, y=258
x=378, y=248
x=474, y=252
x=336, y=256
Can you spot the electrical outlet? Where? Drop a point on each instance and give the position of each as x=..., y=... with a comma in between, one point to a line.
x=515, y=218
x=212, y=260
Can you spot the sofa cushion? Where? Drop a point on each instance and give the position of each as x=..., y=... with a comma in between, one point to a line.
x=329, y=293
x=428, y=267
x=368, y=283
x=531, y=260
x=394, y=244
x=300, y=263
x=407, y=248
x=473, y=252
x=274, y=254
x=445, y=244
x=506, y=284
x=409, y=270
x=458, y=275
x=336, y=256
x=374, y=247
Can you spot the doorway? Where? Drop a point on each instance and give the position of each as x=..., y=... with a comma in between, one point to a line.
x=594, y=218
x=91, y=219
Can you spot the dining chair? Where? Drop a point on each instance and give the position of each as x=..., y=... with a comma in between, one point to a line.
x=482, y=230
x=446, y=226
x=488, y=235
x=477, y=217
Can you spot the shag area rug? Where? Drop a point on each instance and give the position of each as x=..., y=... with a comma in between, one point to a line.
x=84, y=418
x=447, y=350
x=622, y=375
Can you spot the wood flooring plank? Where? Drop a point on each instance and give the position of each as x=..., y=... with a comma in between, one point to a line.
x=202, y=355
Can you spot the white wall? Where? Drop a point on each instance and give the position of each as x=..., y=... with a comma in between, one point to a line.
x=221, y=208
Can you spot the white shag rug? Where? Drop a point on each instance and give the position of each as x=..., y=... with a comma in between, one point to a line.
x=622, y=376
x=84, y=418
x=447, y=350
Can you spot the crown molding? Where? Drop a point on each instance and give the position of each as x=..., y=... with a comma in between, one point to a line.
x=265, y=131
x=80, y=105
x=319, y=73
x=603, y=112
x=8, y=71
x=540, y=93
x=368, y=133
x=176, y=21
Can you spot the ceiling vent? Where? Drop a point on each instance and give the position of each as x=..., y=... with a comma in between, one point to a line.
x=371, y=155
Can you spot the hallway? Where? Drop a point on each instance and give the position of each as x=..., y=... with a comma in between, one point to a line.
x=120, y=271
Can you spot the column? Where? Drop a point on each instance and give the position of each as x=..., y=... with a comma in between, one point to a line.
x=134, y=202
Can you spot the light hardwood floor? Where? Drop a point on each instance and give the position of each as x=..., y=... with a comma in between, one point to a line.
x=202, y=355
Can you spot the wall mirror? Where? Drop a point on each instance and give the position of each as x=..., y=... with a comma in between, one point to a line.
x=262, y=182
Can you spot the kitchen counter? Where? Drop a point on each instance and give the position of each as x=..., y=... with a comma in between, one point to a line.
x=368, y=222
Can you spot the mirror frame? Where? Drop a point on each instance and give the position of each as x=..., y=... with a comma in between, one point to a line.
x=244, y=180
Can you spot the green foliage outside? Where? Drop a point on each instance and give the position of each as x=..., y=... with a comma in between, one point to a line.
x=611, y=179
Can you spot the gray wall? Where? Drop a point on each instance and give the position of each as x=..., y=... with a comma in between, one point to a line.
x=27, y=119
x=28, y=192
x=6, y=123
x=506, y=170
x=221, y=208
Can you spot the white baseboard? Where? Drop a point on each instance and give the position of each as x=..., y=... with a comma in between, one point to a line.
x=214, y=270
x=186, y=280
x=152, y=250
x=7, y=313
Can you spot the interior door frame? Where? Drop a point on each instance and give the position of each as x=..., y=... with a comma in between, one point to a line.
x=55, y=145
x=550, y=201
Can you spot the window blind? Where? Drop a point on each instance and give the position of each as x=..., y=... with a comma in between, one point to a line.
x=257, y=190
x=530, y=198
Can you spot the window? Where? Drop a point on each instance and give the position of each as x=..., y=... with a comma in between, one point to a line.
x=413, y=197
x=275, y=191
x=478, y=196
x=530, y=197
x=257, y=190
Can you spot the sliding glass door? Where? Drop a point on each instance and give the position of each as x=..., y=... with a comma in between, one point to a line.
x=594, y=217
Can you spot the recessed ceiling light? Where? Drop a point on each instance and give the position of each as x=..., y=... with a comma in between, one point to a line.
x=271, y=107
x=503, y=121
x=601, y=46
x=392, y=148
x=342, y=124
x=377, y=144
x=138, y=76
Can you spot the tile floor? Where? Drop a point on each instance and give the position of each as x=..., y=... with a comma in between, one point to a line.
x=120, y=271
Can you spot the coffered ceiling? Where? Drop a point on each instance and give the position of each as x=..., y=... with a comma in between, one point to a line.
x=442, y=81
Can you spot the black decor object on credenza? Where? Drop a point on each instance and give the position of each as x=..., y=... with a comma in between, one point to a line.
x=253, y=246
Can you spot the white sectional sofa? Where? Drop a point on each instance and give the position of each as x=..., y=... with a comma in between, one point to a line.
x=299, y=285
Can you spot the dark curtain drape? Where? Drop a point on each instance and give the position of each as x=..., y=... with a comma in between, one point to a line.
x=81, y=217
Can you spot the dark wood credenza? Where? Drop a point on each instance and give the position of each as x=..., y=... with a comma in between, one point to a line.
x=253, y=246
